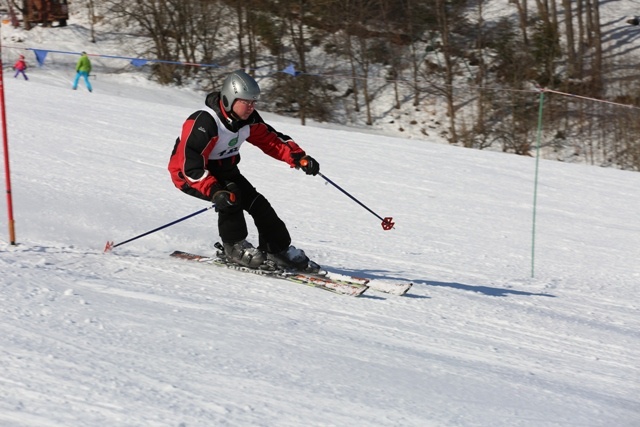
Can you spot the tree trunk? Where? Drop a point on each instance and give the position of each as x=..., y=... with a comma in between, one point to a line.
x=572, y=65
x=443, y=23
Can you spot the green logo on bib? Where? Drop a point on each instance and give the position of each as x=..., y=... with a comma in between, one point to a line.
x=233, y=142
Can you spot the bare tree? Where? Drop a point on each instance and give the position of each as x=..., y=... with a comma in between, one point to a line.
x=91, y=9
x=448, y=87
x=572, y=58
x=480, y=129
x=597, y=65
x=523, y=19
x=178, y=30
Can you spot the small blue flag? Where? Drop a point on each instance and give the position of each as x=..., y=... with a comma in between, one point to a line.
x=138, y=62
x=291, y=70
x=41, y=55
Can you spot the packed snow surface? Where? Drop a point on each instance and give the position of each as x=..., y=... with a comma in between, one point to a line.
x=506, y=325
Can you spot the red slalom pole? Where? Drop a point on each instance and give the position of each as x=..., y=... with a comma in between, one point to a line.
x=5, y=144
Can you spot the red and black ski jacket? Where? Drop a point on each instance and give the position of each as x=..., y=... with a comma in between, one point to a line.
x=210, y=142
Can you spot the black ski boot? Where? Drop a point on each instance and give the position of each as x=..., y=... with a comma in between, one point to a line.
x=293, y=259
x=242, y=253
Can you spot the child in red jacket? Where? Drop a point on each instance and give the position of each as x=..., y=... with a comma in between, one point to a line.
x=20, y=66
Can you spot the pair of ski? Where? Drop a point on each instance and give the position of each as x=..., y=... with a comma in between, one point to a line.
x=332, y=282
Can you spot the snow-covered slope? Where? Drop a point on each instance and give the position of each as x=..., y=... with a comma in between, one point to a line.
x=134, y=338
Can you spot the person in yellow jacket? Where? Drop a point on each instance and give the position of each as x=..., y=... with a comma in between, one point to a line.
x=83, y=69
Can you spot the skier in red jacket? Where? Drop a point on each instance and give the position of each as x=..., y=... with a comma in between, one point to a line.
x=20, y=66
x=204, y=164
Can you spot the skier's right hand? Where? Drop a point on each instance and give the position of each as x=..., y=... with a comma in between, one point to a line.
x=227, y=198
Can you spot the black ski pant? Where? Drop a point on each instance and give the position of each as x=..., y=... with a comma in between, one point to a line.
x=273, y=234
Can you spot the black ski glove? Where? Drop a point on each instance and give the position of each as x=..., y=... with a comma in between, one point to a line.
x=227, y=198
x=308, y=164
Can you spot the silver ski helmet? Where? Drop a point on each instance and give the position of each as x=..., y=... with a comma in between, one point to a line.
x=238, y=85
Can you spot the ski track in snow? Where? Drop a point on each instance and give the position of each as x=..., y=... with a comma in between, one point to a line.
x=460, y=340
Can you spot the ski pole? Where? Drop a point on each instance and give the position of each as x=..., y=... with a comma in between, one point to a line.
x=387, y=222
x=111, y=245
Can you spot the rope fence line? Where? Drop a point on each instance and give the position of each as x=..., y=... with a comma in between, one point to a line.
x=590, y=99
x=140, y=62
